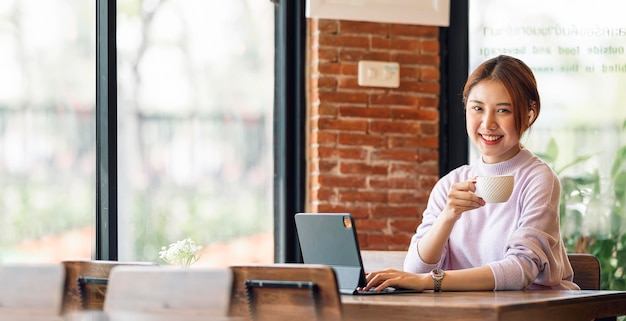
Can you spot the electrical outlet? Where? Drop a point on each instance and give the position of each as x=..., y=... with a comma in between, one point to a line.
x=379, y=74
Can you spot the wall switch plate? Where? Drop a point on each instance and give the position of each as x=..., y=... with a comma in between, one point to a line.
x=379, y=74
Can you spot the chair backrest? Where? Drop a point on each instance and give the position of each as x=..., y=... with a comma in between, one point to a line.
x=36, y=289
x=86, y=283
x=285, y=292
x=156, y=290
x=586, y=270
x=381, y=260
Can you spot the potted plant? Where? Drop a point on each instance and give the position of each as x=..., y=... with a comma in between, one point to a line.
x=593, y=214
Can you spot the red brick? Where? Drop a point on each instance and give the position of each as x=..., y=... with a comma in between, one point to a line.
x=370, y=225
x=379, y=43
x=332, y=40
x=395, y=99
x=341, y=97
x=324, y=138
x=395, y=155
x=327, y=82
x=341, y=124
x=328, y=54
x=414, y=59
x=362, y=196
x=389, y=211
x=349, y=69
x=326, y=110
x=403, y=226
x=414, y=142
x=428, y=128
x=428, y=182
x=414, y=169
x=420, y=86
x=394, y=183
x=331, y=208
x=432, y=102
x=327, y=26
x=353, y=55
x=408, y=197
x=329, y=68
x=341, y=181
x=348, y=83
x=362, y=168
x=324, y=194
x=429, y=74
x=384, y=127
x=429, y=155
x=430, y=46
x=410, y=72
x=361, y=140
x=327, y=166
x=393, y=241
x=416, y=114
x=342, y=153
x=414, y=31
x=372, y=112
x=357, y=27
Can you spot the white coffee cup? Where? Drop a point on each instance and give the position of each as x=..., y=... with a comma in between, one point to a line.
x=494, y=189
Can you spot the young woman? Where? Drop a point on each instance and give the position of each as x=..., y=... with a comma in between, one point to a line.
x=464, y=244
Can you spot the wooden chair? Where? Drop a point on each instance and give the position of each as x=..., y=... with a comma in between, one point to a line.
x=587, y=273
x=155, y=290
x=31, y=291
x=381, y=260
x=586, y=270
x=86, y=283
x=285, y=292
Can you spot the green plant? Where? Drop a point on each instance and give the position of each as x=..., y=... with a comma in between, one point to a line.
x=182, y=253
x=592, y=217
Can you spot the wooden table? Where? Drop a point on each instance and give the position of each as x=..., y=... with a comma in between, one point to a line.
x=486, y=305
x=102, y=316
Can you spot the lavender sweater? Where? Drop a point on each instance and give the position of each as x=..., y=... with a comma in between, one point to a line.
x=519, y=240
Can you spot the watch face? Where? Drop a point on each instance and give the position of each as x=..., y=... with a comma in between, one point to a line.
x=437, y=273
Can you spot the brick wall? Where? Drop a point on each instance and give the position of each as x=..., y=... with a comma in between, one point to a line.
x=373, y=152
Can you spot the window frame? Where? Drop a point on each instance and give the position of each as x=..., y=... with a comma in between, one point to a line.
x=289, y=119
x=106, y=132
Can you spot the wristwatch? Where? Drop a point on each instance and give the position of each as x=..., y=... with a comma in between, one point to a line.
x=437, y=275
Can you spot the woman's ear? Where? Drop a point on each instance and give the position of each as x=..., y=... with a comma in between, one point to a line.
x=531, y=113
x=531, y=116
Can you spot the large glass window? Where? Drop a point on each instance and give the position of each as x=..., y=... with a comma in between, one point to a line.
x=194, y=130
x=47, y=130
x=578, y=53
x=195, y=102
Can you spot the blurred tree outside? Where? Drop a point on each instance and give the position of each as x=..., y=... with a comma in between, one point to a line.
x=195, y=108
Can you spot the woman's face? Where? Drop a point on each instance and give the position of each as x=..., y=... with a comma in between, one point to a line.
x=490, y=122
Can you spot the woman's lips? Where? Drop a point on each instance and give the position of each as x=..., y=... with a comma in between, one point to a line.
x=491, y=139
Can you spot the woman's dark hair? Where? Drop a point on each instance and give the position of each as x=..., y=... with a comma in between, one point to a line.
x=520, y=83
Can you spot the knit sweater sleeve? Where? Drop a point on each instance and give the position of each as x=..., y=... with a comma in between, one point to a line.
x=413, y=262
x=534, y=256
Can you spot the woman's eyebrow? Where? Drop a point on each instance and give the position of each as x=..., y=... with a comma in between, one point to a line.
x=476, y=101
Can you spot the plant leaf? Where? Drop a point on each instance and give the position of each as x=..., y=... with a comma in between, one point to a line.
x=551, y=153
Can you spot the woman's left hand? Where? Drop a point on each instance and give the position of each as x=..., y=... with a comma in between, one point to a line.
x=379, y=280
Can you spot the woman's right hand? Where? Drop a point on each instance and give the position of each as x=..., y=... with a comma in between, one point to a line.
x=461, y=198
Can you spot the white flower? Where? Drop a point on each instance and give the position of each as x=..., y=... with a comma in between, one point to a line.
x=181, y=253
